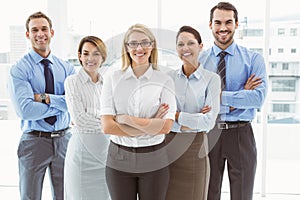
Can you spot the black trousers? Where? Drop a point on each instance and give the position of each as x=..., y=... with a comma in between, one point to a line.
x=237, y=147
x=132, y=172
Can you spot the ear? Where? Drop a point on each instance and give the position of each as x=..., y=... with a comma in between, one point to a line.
x=27, y=34
x=236, y=25
x=52, y=32
x=201, y=45
x=78, y=54
x=210, y=25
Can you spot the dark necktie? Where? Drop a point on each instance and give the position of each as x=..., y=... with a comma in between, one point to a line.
x=222, y=68
x=49, y=86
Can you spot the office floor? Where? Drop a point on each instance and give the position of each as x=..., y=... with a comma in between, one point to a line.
x=282, y=177
x=280, y=185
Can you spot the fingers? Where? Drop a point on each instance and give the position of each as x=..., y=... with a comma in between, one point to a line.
x=37, y=97
x=250, y=78
x=162, y=111
x=252, y=82
x=205, y=109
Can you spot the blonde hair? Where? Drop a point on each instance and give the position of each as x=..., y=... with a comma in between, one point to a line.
x=126, y=59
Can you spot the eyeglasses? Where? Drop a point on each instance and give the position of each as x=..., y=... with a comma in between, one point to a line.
x=143, y=44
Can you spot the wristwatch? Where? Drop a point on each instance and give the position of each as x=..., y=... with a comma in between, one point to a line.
x=43, y=97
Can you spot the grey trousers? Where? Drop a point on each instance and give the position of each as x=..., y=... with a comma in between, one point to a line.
x=36, y=154
x=237, y=147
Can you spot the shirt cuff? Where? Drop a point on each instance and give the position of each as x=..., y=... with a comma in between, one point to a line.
x=176, y=127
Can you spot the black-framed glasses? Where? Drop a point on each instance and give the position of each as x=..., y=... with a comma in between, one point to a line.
x=143, y=44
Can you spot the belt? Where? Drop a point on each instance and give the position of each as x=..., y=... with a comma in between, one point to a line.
x=52, y=134
x=229, y=125
x=143, y=149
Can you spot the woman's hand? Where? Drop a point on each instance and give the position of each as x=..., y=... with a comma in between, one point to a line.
x=162, y=111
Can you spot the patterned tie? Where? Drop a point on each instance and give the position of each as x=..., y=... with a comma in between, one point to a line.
x=222, y=68
x=49, y=86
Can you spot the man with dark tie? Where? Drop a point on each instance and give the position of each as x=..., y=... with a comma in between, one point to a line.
x=244, y=88
x=36, y=86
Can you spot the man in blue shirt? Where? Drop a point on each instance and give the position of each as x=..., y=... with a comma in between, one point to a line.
x=244, y=91
x=37, y=92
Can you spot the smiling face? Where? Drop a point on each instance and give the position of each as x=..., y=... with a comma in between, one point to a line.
x=223, y=27
x=188, y=48
x=90, y=58
x=139, y=54
x=39, y=33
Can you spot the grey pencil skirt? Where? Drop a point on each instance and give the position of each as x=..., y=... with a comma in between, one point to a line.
x=189, y=168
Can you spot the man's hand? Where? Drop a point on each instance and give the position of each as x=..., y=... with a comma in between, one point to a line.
x=252, y=82
x=37, y=98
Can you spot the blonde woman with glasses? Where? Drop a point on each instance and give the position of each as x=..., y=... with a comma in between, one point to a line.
x=138, y=108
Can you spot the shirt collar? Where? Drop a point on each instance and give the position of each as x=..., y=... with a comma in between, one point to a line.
x=83, y=75
x=230, y=50
x=37, y=58
x=196, y=74
x=129, y=73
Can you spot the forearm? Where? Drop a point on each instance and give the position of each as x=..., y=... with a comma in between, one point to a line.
x=58, y=102
x=197, y=121
x=110, y=126
x=150, y=126
x=243, y=99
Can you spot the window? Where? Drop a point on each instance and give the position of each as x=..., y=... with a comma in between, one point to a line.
x=285, y=66
x=281, y=32
x=281, y=108
x=282, y=85
x=280, y=50
x=253, y=32
x=293, y=32
x=274, y=65
x=293, y=50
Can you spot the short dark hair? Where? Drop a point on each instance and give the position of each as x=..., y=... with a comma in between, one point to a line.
x=191, y=30
x=224, y=6
x=37, y=15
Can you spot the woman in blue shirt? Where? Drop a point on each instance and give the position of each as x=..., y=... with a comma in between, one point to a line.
x=198, y=102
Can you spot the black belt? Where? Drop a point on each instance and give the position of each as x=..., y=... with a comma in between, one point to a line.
x=143, y=149
x=52, y=134
x=228, y=125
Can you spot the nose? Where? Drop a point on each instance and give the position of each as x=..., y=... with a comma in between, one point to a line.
x=223, y=27
x=40, y=33
x=139, y=46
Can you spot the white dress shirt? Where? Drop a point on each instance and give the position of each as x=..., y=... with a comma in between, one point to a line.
x=124, y=93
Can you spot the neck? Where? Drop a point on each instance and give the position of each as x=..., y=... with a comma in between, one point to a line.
x=93, y=75
x=139, y=70
x=189, y=68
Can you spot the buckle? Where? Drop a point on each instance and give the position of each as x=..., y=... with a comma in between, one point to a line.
x=222, y=125
x=52, y=135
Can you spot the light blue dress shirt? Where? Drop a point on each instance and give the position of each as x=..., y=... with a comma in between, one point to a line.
x=241, y=63
x=26, y=78
x=193, y=93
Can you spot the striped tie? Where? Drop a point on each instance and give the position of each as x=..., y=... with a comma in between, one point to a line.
x=49, y=86
x=222, y=68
